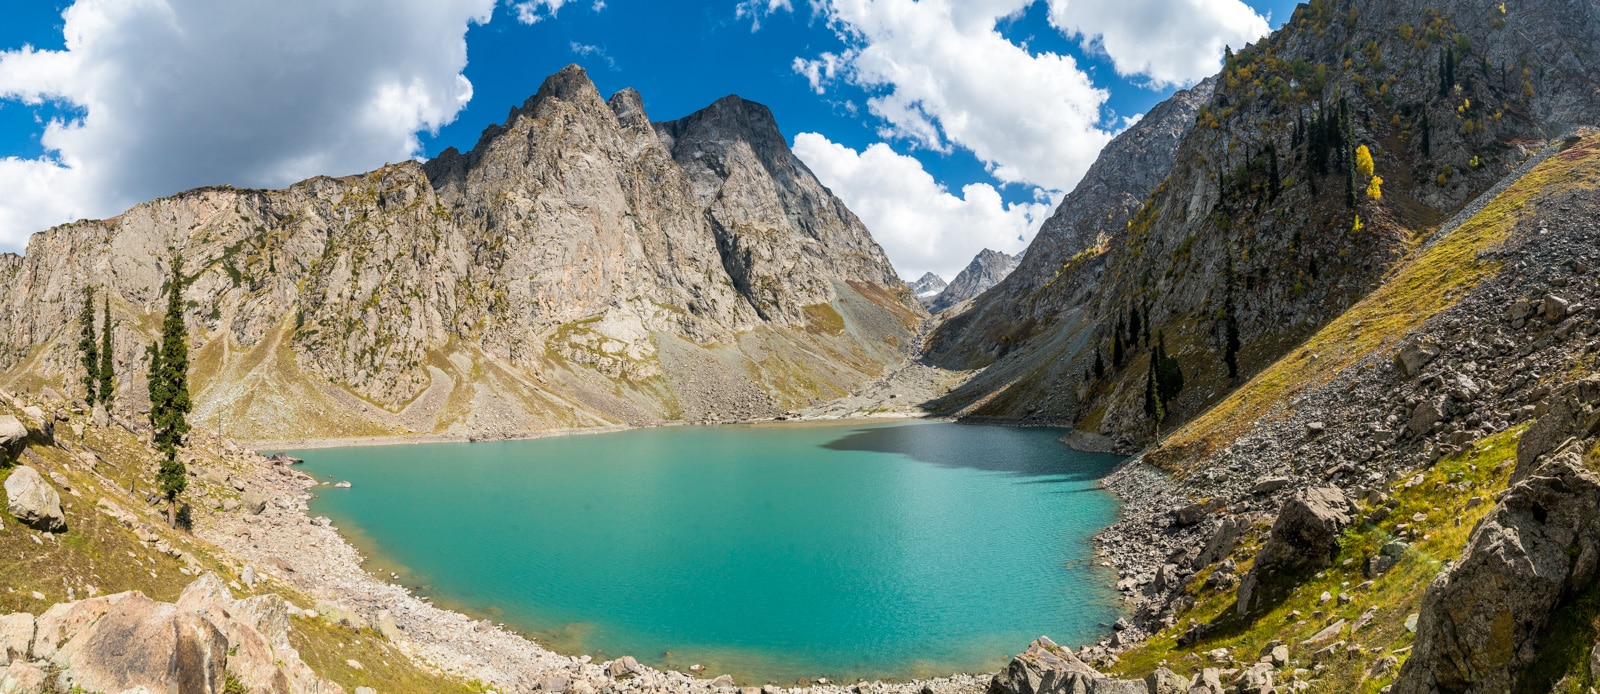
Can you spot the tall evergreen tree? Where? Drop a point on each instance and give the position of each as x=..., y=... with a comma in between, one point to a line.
x=1134, y=327
x=169, y=393
x=1099, y=365
x=1116, y=348
x=1427, y=134
x=1152, y=399
x=107, y=361
x=88, y=348
x=1230, y=327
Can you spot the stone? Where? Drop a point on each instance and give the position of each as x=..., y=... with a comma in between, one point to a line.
x=1572, y=410
x=1426, y=414
x=384, y=623
x=1304, y=538
x=143, y=643
x=16, y=637
x=33, y=502
x=627, y=666
x=249, y=575
x=554, y=684
x=1315, y=429
x=230, y=505
x=1414, y=354
x=21, y=677
x=366, y=690
x=1328, y=633
x=1043, y=668
x=722, y=681
x=254, y=504
x=1554, y=309
x=13, y=438
x=1279, y=655
x=1482, y=616
x=1190, y=515
x=1521, y=310
x=1269, y=485
x=1164, y=681
x=1256, y=679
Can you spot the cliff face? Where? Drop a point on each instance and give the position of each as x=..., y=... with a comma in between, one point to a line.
x=1265, y=227
x=986, y=270
x=580, y=266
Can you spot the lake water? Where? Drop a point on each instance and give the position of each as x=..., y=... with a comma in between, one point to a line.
x=772, y=553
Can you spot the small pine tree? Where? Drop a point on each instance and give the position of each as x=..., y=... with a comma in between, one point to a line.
x=1134, y=327
x=169, y=394
x=1099, y=365
x=88, y=347
x=107, y=361
x=1116, y=350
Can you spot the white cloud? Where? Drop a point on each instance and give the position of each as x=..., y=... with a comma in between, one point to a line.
x=754, y=10
x=941, y=76
x=1170, y=42
x=919, y=223
x=181, y=93
x=595, y=52
x=532, y=11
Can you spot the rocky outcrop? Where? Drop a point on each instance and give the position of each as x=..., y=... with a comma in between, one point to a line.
x=13, y=436
x=1573, y=410
x=1304, y=538
x=1046, y=668
x=33, y=502
x=986, y=270
x=580, y=266
x=127, y=641
x=1483, y=618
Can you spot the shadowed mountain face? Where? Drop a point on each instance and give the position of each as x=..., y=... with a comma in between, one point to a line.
x=1236, y=219
x=579, y=266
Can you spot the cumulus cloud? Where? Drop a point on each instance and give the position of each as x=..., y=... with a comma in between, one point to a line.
x=755, y=10
x=180, y=93
x=1169, y=42
x=942, y=75
x=921, y=225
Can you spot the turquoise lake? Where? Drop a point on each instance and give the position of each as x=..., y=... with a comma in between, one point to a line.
x=772, y=553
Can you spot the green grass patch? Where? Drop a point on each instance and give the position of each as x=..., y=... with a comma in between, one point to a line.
x=1441, y=497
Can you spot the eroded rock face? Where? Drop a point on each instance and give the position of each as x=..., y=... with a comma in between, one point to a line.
x=580, y=266
x=31, y=500
x=1046, y=668
x=1481, y=619
x=127, y=641
x=1304, y=538
x=1573, y=411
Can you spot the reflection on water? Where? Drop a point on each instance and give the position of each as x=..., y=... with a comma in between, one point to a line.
x=996, y=449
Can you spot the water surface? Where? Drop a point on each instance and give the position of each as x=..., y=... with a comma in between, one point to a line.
x=769, y=552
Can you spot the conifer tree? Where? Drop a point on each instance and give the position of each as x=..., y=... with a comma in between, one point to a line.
x=107, y=361
x=1230, y=327
x=169, y=393
x=88, y=348
x=1134, y=328
x=1099, y=365
x=1152, y=399
x=1116, y=347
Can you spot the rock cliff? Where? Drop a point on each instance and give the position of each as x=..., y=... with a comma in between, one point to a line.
x=580, y=266
x=1267, y=224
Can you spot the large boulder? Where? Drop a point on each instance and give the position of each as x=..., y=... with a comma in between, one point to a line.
x=1045, y=668
x=1572, y=410
x=13, y=438
x=1304, y=538
x=16, y=637
x=1414, y=354
x=1481, y=618
x=33, y=501
x=149, y=644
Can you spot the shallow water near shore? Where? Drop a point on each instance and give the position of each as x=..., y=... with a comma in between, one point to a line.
x=772, y=553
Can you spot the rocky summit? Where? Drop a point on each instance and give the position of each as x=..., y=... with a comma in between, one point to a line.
x=986, y=270
x=581, y=266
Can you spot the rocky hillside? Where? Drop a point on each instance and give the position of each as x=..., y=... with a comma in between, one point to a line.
x=1327, y=153
x=986, y=270
x=580, y=267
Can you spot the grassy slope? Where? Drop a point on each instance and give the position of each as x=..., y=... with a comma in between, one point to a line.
x=1428, y=282
x=97, y=551
x=1431, y=280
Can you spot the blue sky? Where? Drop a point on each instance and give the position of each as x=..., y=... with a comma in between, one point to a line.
x=983, y=162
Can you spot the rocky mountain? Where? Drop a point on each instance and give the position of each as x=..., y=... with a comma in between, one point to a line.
x=986, y=270
x=928, y=286
x=1270, y=221
x=580, y=266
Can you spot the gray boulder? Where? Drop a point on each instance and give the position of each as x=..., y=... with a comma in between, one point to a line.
x=33, y=501
x=1414, y=354
x=144, y=643
x=1480, y=621
x=1573, y=410
x=16, y=637
x=1046, y=668
x=1426, y=414
x=1304, y=538
x=13, y=437
x=253, y=503
x=1224, y=538
x=1554, y=309
x=625, y=667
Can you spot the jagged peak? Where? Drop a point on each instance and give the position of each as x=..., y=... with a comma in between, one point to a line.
x=731, y=115
x=628, y=106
